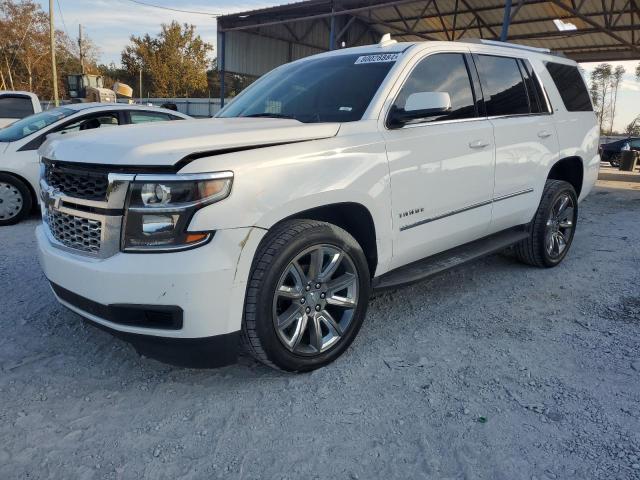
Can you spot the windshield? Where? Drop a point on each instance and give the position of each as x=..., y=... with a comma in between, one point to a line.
x=33, y=123
x=337, y=88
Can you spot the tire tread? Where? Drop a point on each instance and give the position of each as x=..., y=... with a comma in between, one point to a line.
x=268, y=250
x=530, y=250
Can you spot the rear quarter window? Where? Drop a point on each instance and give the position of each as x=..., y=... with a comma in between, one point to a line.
x=571, y=87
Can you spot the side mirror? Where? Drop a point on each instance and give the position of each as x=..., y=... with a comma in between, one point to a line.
x=420, y=105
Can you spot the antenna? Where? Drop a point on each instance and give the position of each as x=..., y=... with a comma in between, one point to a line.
x=386, y=40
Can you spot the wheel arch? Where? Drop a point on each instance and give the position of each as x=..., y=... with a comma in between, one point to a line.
x=352, y=217
x=571, y=170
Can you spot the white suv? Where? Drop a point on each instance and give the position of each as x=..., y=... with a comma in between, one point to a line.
x=343, y=172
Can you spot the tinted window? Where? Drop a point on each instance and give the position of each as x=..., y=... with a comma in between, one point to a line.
x=89, y=122
x=571, y=87
x=533, y=83
x=33, y=123
x=502, y=85
x=15, y=107
x=443, y=72
x=146, y=117
x=337, y=88
x=635, y=143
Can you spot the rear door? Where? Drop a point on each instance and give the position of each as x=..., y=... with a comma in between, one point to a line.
x=524, y=133
x=442, y=166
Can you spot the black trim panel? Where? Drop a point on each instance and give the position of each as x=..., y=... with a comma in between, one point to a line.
x=440, y=262
x=204, y=352
x=164, y=317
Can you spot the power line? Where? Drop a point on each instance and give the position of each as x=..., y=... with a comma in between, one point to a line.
x=62, y=18
x=210, y=14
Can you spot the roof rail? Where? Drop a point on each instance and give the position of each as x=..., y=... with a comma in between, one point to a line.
x=496, y=43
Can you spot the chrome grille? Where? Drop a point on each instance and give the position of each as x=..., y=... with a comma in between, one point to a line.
x=79, y=233
x=76, y=182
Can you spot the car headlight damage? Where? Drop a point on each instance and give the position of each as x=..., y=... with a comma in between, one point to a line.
x=160, y=208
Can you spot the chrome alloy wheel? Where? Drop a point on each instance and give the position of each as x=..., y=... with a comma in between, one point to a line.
x=560, y=225
x=315, y=300
x=11, y=201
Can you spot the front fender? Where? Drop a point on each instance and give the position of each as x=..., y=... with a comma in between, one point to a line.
x=275, y=183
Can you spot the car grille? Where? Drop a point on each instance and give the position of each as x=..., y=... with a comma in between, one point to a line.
x=79, y=233
x=77, y=182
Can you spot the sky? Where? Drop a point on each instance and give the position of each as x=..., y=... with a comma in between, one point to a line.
x=110, y=23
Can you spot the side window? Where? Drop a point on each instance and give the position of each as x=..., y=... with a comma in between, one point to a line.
x=442, y=72
x=146, y=117
x=90, y=122
x=534, y=82
x=15, y=107
x=571, y=87
x=502, y=85
x=635, y=143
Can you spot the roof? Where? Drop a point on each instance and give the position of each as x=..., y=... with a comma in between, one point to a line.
x=18, y=92
x=119, y=106
x=587, y=30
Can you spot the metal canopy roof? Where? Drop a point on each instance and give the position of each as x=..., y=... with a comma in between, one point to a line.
x=254, y=42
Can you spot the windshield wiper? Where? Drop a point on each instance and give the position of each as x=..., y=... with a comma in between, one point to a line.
x=270, y=115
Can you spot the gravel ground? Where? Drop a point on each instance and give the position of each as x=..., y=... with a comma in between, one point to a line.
x=490, y=371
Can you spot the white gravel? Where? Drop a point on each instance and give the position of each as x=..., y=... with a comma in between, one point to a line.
x=491, y=371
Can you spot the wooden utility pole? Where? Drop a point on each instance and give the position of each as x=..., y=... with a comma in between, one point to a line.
x=80, y=48
x=9, y=72
x=52, y=38
x=140, y=84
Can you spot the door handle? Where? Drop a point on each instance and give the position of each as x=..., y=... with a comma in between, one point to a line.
x=544, y=134
x=478, y=144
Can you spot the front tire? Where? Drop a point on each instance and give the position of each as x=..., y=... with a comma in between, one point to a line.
x=307, y=295
x=15, y=200
x=553, y=226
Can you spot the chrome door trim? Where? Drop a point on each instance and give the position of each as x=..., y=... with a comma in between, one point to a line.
x=511, y=195
x=466, y=209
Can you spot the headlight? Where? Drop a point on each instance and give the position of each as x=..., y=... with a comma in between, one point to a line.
x=160, y=207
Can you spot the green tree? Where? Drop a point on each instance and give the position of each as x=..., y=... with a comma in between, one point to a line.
x=600, y=87
x=25, y=56
x=173, y=64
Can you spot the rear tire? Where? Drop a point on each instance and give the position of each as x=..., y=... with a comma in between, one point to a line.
x=307, y=296
x=614, y=160
x=15, y=200
x=552, y=229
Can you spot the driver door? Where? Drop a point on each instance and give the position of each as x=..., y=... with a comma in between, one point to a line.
x=441, y=166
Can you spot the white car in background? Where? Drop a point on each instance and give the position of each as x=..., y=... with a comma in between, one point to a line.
x=19, y=143
x=15, y=105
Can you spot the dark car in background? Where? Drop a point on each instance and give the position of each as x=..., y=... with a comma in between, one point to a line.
x=611, y=152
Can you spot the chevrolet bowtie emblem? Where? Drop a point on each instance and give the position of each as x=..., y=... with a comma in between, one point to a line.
x=51, y=197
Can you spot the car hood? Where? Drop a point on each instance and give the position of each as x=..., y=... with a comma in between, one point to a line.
x=5, y=122
x=166, y=143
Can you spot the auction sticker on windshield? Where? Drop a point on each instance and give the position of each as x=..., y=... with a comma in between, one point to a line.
x=379, y=58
